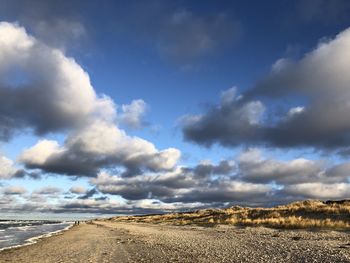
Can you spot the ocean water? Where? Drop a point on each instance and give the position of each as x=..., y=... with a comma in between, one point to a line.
x=22, y=232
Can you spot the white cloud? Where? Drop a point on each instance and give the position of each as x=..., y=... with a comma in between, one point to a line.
x=78, y=190
x=54, y=93
x=40, y=152
x=99, y=145
x=132, y=114
x=7, y=168
x=294, y=111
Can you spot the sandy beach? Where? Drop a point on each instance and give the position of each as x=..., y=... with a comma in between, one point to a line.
x=131, y=242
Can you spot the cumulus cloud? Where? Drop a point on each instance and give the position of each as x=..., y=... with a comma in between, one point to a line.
x=323, y=122
x=132, y=114
x=99, y=145
x=41, y=88
x=318, y=83
x=7, y=168
x=232, y=122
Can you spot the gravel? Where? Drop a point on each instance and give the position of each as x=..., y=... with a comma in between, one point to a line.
x=166, y=243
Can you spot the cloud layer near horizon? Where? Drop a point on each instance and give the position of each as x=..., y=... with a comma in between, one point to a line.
x=250, y=179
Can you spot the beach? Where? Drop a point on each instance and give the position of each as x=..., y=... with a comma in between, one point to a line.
x=104, y=241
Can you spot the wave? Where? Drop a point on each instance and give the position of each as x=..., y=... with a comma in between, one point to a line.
x=35, y=239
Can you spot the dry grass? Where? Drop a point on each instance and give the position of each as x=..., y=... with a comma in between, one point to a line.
x=304, y=214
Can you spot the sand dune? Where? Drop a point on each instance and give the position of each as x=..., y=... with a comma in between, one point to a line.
x=303, y=214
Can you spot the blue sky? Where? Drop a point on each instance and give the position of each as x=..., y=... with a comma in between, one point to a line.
x=137, y=107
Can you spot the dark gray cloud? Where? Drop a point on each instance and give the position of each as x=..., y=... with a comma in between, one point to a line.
x=90, y=193
x=175, y=31
x=184, y=35
x=179, y=33
x=231, y=123
x=315, y=91
x=203, y=170
x=57, y=24
x=323, y=11
x=22, y=173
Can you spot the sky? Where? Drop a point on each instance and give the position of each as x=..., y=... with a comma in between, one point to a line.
x=133, y=107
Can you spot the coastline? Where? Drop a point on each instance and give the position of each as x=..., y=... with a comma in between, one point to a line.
x=35, y=239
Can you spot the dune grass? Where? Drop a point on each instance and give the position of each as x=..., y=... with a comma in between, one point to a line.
x=303, y=214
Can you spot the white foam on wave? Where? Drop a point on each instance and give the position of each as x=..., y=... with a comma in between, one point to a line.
x=33, y=240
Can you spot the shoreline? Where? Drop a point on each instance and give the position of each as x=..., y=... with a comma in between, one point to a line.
x=33, y=240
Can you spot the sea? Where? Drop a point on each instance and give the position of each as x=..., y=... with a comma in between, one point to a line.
x=14, y=233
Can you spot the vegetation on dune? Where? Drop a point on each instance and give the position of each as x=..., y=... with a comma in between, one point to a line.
x=303, y=214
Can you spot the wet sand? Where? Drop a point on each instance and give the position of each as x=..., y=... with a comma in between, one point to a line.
x=136, y=242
